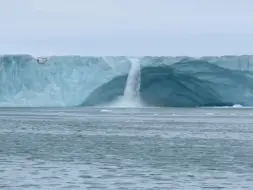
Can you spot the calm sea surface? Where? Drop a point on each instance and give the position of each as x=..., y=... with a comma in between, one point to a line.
x=102, y=148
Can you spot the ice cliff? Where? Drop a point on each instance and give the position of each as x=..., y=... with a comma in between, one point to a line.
x=165, y=81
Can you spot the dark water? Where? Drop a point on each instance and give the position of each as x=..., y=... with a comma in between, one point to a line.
x=126, y=149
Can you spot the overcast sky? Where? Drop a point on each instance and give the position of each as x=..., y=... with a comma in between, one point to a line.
x=126, y=27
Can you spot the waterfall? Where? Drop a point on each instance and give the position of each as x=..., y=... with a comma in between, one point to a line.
x=131, y=96
x=132, y=89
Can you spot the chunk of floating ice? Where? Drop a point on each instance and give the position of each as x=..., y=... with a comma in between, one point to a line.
x=105, y=110
x=237, y=106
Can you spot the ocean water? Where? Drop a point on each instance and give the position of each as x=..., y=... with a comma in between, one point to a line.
x=148, y=148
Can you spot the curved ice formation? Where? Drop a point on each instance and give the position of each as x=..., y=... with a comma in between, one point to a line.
x=88, y=81
x=188, y=83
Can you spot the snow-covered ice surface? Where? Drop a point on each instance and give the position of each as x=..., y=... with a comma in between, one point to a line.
x=108, y=148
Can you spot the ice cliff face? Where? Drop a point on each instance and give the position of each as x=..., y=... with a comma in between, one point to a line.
x=189, y=83
x=72, y=80
x=60, y=81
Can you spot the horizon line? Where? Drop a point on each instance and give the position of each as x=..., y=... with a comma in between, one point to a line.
x=82, y=55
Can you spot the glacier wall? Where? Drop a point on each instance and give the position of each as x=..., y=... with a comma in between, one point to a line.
x=60, y=81
x=189, y=83
x=70, y=80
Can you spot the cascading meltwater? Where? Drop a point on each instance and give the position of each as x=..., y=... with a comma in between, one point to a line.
x=131, y=96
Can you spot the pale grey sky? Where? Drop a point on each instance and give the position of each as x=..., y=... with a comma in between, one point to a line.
x=126, y=27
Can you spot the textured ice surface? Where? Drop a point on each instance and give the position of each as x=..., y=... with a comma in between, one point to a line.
x=61, y=81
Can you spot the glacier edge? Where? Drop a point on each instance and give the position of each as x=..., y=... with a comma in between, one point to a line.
x=69, y=80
